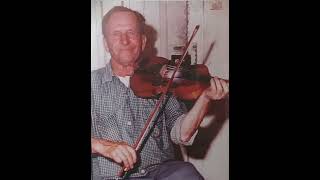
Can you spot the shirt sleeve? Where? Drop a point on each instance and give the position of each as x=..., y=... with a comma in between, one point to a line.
x=175, y=112
x=175, y=133
x=94, y=128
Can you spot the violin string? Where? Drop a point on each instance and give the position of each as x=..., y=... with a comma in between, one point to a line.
x=181, y=69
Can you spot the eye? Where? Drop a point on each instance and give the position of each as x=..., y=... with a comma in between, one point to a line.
x=132, y=33
x=116, y=33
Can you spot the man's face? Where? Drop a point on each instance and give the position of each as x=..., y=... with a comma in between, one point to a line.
x=123, y=38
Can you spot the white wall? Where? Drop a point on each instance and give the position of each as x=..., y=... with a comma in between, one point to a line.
x=174, y=24
x=97, y=50
x=214, y=29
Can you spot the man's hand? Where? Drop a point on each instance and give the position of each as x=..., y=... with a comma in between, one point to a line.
x=120, y=152
x=218, y=89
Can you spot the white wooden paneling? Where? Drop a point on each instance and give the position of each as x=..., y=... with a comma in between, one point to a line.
x=174, y=21
x=97, y=50
x=163, y=30
x=176, y=25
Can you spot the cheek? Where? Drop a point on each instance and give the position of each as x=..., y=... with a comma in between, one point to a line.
x=137, y=51
x=114, y=49
x=138, y=47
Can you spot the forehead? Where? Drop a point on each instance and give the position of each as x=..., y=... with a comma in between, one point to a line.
x=122, y=19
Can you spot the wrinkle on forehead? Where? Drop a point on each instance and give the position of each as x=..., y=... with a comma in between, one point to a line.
x=120, y=20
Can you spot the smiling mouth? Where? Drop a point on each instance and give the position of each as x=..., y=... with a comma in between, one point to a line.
x=126, y=48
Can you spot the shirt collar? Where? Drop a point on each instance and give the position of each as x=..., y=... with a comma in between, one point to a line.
x=107, y=77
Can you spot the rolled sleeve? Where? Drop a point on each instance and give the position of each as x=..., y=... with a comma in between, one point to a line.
x=175, y=133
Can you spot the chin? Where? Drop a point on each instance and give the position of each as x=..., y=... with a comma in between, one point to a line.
x=128, y=61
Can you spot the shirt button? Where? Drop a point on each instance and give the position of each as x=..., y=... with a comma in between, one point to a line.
x=156, y=132
x=129, y=123
x=142, y=171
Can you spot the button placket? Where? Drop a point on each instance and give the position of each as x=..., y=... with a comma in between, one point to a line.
x=129, y=123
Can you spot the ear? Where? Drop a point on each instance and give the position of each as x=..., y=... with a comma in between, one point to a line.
x=144, y=41
x=105, y=44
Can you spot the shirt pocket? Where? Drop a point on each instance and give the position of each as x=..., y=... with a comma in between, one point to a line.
x=157, y=133
x=108, y=127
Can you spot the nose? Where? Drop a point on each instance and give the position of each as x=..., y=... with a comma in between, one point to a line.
x=124, y=39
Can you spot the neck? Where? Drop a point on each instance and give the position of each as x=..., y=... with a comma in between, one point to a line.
x=123, y=70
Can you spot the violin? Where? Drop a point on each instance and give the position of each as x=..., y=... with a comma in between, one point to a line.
x=150, y=80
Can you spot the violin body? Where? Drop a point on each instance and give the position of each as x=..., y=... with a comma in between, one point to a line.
x=151, y=78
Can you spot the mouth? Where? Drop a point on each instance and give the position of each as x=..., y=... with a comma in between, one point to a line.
x=127, y=48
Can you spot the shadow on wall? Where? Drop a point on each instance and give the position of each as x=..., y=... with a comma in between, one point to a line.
x=150, y=50
x=206, y=135
x=206, y=58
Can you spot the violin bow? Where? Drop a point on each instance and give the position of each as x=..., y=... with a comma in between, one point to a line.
x=152, y=117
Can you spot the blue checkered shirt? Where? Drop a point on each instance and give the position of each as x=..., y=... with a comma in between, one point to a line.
x=119, y=115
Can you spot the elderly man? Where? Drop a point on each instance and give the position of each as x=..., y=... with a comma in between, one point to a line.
x=118, y=116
